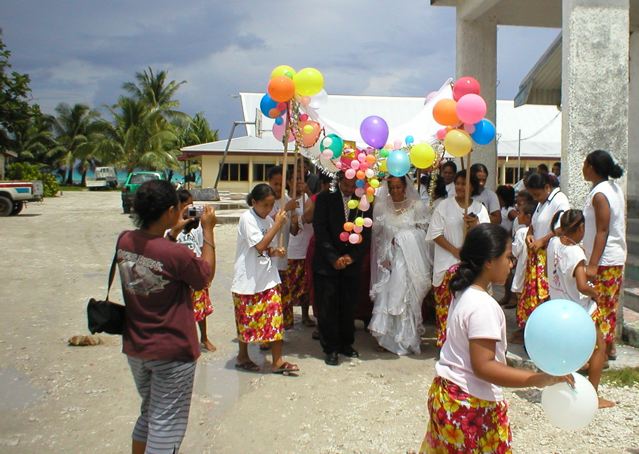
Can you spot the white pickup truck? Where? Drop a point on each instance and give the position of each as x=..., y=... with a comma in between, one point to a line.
x=105, y=178
x=14, y=194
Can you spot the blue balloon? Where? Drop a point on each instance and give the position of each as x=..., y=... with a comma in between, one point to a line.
x=360, y=183
x=560, y=337
x=409, y=140
x=279, y=120
x=266, y=104
x=398, y=163
x=484, y=132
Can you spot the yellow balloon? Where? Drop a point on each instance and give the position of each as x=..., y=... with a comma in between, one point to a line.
x=374, y=183
x=283, y=70
x=422, y=155
x=458, y=143
x=352, y=204
x=382, y=165
x=308, y=82
x=359, y=221
x=370, y=198
x=308, y=129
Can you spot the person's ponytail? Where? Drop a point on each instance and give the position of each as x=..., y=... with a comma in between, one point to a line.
x=483, y=243
x=616, y=171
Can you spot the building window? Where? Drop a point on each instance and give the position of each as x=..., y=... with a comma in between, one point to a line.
x=511, y=174
x=260, y=171
x=234, y=172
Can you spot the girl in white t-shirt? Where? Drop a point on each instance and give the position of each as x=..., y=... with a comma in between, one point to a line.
x=466, y=403
x=567, y=280
x=255, y=287
x=446, y=230
x=605, y=238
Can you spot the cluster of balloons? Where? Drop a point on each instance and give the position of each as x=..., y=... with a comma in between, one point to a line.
x=560, y=337
x=463, y=118
x=285, y=85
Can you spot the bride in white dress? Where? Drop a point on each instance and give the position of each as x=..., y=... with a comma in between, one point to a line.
x=399, y=257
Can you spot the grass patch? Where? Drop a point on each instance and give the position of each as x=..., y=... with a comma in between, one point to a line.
x=628, y=376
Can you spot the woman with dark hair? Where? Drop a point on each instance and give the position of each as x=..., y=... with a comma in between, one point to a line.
x=398, y=262
x=485, y=195
x=446, y=230
x=255, y=287
x=466, y=403
x=605, y=238
x=448, y=170
x=506, y=196
x=160, y=337
x=535, y=291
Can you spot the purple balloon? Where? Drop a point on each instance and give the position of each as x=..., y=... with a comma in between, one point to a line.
x=374, y=131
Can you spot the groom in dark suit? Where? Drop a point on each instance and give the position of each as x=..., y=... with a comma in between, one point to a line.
x=336, y=270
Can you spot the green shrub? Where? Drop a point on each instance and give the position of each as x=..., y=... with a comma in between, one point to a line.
x=29, y=172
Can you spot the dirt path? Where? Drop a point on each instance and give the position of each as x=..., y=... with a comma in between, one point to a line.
x=55, y=398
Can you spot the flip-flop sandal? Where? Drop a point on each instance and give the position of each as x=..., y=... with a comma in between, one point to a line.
x=248, y=366
x=287, y=369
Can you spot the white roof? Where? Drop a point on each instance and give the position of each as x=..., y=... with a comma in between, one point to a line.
x=540, y=125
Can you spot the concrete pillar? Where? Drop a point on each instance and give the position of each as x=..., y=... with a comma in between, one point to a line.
x=502, y=173
x=633, y=133
x=594, y=87
x=477, y=57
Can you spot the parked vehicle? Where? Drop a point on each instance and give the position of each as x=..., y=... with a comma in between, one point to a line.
x=133, y=182
x=14, y=195
x=105, y=178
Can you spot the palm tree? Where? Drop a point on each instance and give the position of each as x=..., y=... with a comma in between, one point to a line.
x=77, y=129
x=156, y=93
x=197, y=131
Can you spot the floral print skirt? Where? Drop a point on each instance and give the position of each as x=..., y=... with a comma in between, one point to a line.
x=287, y=302
x=202, y=304
x=608, y=285
x=461, y=423
x=535, y=289
x=443, y=297
x=259, y=317
x=297, y=282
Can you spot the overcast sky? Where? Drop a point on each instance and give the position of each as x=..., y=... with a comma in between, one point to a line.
x=84, y=50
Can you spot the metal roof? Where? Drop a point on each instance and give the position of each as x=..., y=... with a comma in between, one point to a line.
x=542, y=85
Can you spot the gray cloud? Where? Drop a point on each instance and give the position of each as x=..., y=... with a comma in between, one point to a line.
x=82, y=51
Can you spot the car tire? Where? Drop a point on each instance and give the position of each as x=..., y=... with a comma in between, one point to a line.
x=6, y=206
x=17, y=208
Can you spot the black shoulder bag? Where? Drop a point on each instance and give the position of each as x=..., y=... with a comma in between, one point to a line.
x=103, y=315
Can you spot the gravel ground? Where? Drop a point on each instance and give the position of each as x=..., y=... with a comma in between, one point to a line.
x=56, y=398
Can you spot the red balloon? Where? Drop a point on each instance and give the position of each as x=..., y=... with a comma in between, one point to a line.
x=465, y=86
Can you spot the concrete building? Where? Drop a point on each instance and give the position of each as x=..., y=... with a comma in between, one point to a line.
x=526, y=137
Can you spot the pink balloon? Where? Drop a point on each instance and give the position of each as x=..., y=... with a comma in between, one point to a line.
x=471, y=108
x=360, y=192
x=361, y=157
x=363, y=166
x=441, y=134
x=327, y=154
x=364, y=205
x=368, y=222
x=397, y=144
x=278, y=132
x=349, y=174
x=355, y=164
x=303, y=117
x=305, y=100
x=469, y=128
x=353, y=238
x=358, y=229
x=344, y=236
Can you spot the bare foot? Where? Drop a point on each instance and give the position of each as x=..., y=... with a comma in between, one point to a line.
x=605, y=403
x=207, y=345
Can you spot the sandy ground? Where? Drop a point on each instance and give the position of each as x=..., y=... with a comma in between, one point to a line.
x=56, y=398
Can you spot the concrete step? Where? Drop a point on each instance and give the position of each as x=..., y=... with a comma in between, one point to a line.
x=633, y=244
x=632, y=227
x=631, y=294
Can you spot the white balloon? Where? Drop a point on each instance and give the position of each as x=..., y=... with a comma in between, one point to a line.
x=319, y=100
x=568, y=408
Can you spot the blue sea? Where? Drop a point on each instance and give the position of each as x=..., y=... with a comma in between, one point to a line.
x=122, y=174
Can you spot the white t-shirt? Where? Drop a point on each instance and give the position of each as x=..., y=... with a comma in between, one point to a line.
x=520, y=252
x=614, y=253
x=562, y=284
x=194, y=240
x=474, y=314
x=253, y=272
x=448, y=220
x=450, y=189
x=505, y=222
x=281, y=262
x=542, y=217
x=489, y=199
x=298, y=244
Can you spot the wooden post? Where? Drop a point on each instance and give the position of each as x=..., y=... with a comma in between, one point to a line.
x=467, y=195
x=287, y=131
x=418, y=175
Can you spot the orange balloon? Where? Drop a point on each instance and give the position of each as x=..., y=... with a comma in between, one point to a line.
x=360, y=175
x=281, y=89
x=444, y=112
x=370, y=190
x=309, y=138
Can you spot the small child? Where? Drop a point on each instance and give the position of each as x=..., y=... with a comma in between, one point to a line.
x=506, y=196
x=520, y=249
x=192, y=237
x=255, y=287
x=567, y=280
x=286, y=204
x=466, y=403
